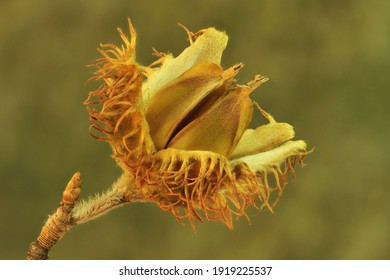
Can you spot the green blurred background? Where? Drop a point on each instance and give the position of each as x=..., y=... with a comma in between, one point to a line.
x=328, y=62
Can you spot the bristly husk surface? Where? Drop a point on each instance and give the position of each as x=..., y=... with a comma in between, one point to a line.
x=193, y=184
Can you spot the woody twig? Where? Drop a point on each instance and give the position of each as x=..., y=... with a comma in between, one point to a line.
x=71, y=212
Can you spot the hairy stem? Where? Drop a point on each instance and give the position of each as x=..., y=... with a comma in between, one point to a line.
x=71, y=213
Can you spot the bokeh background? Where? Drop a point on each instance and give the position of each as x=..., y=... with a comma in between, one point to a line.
x=329, y=67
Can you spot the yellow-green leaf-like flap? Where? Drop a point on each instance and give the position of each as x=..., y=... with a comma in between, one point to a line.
x=208, y=46
x=264, y=162
x=263, y=138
